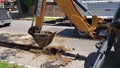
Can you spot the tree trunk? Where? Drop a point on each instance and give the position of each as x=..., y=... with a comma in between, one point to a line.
x=19, y=6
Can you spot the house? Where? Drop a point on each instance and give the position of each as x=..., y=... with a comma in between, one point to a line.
x=52, y=9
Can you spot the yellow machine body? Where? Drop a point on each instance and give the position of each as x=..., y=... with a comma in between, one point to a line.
x=69, y=9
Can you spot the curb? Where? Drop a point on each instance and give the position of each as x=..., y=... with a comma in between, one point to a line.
x=31, y=19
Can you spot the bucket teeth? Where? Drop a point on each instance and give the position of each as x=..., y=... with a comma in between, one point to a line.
x=44, y=38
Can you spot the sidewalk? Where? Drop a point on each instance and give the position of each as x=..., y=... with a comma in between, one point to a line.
x=17, y=16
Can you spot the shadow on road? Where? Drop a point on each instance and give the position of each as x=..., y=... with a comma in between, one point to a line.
x=7, y=40
x=2, y=26
x=71, y=33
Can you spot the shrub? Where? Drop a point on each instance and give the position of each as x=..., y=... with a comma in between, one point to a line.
x=30, y=2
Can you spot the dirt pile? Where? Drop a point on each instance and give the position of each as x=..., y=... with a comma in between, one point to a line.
x=54, y=54
x=50, y=50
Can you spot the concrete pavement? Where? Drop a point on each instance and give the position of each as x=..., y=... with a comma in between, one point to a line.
x=70, y=43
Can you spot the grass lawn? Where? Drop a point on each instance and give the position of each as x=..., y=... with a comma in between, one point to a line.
x=48, y=19
x=4, y=64
x=45, y=18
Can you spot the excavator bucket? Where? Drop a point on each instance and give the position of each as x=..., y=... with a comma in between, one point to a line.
x=43, y=38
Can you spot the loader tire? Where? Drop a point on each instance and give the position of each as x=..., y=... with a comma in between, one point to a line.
x=117, y=44
x=111, y=41
x=114, y=40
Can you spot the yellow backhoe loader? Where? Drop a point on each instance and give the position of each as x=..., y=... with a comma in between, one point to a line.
x=112, y=30
x=43, y=38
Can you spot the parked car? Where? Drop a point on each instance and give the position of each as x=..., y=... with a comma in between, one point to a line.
x=8, y=5
x=5, y=18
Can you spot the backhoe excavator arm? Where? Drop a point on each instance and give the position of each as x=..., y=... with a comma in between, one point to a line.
x=70, y=10
x=39, y=14
x=42, y=38
x=68, y=7
x=72, y=13
x=40, y=11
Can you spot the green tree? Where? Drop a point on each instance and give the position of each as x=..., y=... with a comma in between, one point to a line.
x=31, y=5
x=19, y=6
x=30, y=2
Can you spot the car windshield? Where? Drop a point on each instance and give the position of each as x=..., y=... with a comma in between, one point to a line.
x=7, y=3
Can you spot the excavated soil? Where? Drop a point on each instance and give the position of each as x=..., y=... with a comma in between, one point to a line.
x=26, y=43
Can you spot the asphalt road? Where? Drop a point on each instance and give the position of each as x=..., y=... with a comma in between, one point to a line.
x=70, y=39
